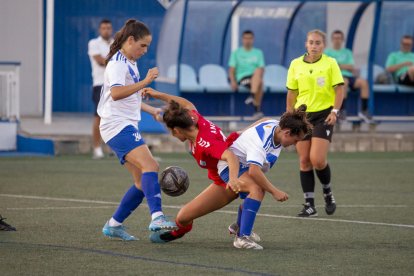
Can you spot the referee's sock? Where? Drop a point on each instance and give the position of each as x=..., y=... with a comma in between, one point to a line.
x=324, y=176
x=131, y=200
x=152, y=192
x=307, y=180
x=250, y=209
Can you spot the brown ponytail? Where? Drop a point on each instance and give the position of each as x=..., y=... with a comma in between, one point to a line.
x=133, y=28
x=296, y=121
x=177, y=116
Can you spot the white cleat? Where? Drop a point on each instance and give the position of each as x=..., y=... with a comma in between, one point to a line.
x=246, y=243
x=234, y=228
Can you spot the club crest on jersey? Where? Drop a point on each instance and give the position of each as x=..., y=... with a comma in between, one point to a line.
x=137, y=136
x=321, y=81
x=203, y=143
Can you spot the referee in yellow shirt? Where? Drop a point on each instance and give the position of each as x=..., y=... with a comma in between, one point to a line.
x=315, y=80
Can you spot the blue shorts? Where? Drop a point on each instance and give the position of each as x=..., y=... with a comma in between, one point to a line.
x=225, y=177
x=128, y=139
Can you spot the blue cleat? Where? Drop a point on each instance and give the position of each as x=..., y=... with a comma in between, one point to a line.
x=155, y=237
x=117, y=232
x=162, y=223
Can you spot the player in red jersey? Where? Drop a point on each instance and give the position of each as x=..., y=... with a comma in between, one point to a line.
x=208, y=145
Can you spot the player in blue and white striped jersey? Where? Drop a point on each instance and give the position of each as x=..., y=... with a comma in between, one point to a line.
x=258, y=148
x=120, y=108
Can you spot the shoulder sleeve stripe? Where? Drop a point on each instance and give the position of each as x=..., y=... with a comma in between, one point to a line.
x=340, y=83
x=116, y=84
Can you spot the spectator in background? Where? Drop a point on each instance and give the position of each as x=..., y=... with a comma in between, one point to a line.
x=346, y=63
x=98, y=49
x=247, y=68
x=401, y=63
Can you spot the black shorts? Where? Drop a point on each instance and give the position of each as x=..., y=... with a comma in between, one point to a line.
x=320, y=128
x=351, y=83
x=404, y=79
x=96, y=95
x=246, y=81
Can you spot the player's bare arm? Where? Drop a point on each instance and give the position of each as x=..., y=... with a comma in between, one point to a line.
x=291, y=100
x=122, y=92
x=149, y=92
x=260, y=179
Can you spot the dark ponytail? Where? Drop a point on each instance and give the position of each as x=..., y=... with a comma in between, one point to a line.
x=177, y=116
x=296, y=121
x=133, y=28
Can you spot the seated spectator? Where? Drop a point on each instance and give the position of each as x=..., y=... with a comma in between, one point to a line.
x=247, y=68
x=401, y=63
x=346, y=63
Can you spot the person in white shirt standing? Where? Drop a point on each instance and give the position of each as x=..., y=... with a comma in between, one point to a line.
x=98, y=49
x=120, y=108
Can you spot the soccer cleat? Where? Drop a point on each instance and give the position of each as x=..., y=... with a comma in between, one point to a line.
x=161, y=223
x=163, y=236
x=257, y=115
x=117, y=232
x=308, y=211
x=234, y=228
x=364, y=116
x=248, y=100
x=330, y=205
x=5, y=226
x=246, y=243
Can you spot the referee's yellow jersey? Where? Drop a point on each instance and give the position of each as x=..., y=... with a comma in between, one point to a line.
x=314, y=82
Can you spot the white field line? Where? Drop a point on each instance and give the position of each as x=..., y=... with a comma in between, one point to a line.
x=219, y=211
x=323, y=206
x=61, y=208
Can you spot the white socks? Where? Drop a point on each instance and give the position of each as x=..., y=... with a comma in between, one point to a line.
x=156, y=215
x=113, y=223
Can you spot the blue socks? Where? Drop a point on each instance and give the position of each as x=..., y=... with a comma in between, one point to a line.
x=239, y=216
x=152, y=191
x=250, y=209
x=131, y=200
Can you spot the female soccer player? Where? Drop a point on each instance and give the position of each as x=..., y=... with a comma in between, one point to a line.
x=315, y=79
x=119, y=109
x=258, y=149
x=206, y=139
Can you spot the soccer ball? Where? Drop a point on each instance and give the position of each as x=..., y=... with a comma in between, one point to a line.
x=174, y=181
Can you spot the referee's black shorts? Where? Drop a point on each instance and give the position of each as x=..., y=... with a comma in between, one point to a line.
x=320, y=128
x=96, y=95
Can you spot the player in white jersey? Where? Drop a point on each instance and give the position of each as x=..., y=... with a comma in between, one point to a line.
x=258, y=148
x=120, y=111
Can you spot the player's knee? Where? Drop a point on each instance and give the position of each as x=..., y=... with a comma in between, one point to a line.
x=256, y=192
x=151, y=166
x=305, y=163
x=318, y=163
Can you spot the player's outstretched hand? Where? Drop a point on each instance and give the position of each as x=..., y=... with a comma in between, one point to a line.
x=148, y=92
x=280, y=196
x=152, y=74
x=158, y=115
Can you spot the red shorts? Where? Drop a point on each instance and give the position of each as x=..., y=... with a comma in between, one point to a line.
x=213, y=174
